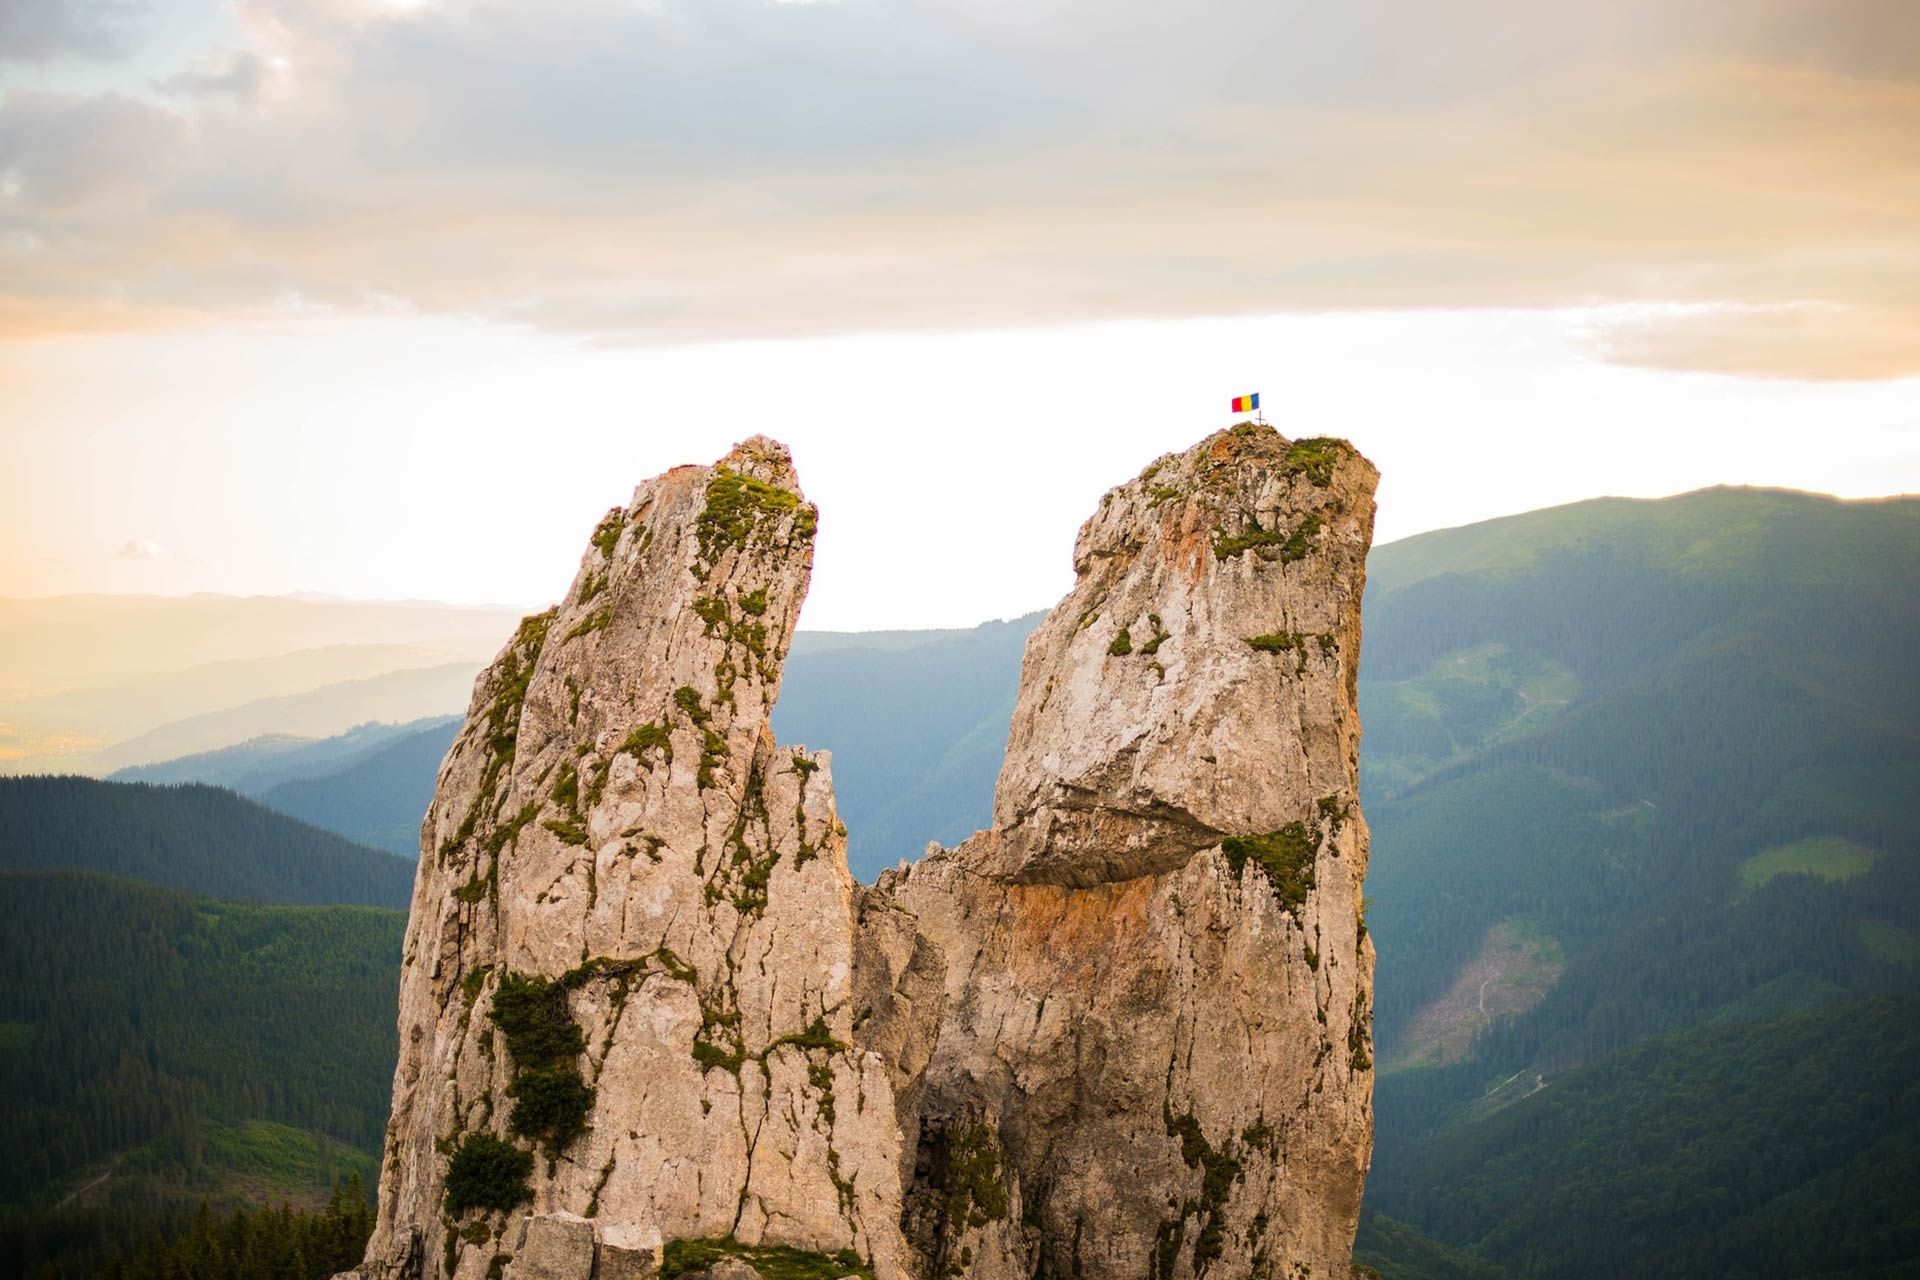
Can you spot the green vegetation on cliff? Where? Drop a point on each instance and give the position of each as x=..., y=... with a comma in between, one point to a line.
x=773, y=1262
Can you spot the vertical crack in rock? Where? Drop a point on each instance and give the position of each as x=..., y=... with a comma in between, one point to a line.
x=646, y=1014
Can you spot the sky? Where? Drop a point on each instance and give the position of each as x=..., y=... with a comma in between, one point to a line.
x=393, y=298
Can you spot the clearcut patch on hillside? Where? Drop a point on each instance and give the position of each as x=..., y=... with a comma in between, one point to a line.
x=1829, y=857
x=1468, y=700
x=1517, y=964
x=1891, y=943
x=255, y=1161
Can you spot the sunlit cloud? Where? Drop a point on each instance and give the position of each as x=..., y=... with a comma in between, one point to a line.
x=687, y=171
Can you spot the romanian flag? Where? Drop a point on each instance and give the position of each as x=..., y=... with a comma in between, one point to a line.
x=1247, y=404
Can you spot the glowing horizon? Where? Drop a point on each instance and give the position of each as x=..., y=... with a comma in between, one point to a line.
x=291, y=291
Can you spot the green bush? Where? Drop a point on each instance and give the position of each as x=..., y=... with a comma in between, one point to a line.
x=486, y=1173
x=736, y=504
x=551, y=1101
x=551, y=1105
x=1315, y=458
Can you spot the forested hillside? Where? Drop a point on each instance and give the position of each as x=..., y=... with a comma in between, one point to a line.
x=1719, y=796
x=269, y=1242
x=201, y=839
x=155, y=1047
x=1643, y=780
x=1786, y=1147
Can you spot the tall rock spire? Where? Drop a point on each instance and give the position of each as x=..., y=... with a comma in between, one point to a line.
x=647, y=1016
x=595, y=973
x=1156, y=1023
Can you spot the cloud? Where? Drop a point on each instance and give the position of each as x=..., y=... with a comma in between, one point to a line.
x=688, y=169
x=141, y=549
x=236, y=73
x=1811, y=341
x=59, y=150
x=36, y=31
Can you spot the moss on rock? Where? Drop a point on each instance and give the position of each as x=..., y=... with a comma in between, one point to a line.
x=1285, y=857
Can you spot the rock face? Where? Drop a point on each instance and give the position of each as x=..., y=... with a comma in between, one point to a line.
x=650, y=1023
x=1156, y=1015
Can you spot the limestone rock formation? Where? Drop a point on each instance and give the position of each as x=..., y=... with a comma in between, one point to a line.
x=649, y=1023
x=1157, y=977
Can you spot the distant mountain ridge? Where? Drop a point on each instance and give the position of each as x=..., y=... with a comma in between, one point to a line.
x=400, y=696
x=917, y=722
x=260, y=764
x=126, y=708
x=379, y=797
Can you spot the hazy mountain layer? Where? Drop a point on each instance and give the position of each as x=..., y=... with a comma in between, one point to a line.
x=81, y=677
x=379, y=798
x=920, y=719
x=124, y=709
x=80, y=642
x=260, y=764
x=397, y=696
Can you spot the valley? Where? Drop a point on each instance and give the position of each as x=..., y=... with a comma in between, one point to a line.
x=1642, y=778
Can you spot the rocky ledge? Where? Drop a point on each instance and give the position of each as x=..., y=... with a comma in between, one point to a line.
x=650, y=1025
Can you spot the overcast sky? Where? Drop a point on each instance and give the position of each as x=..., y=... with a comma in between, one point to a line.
x=393, y=298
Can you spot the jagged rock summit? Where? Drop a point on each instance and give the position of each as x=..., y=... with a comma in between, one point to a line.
x=650, y=1024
